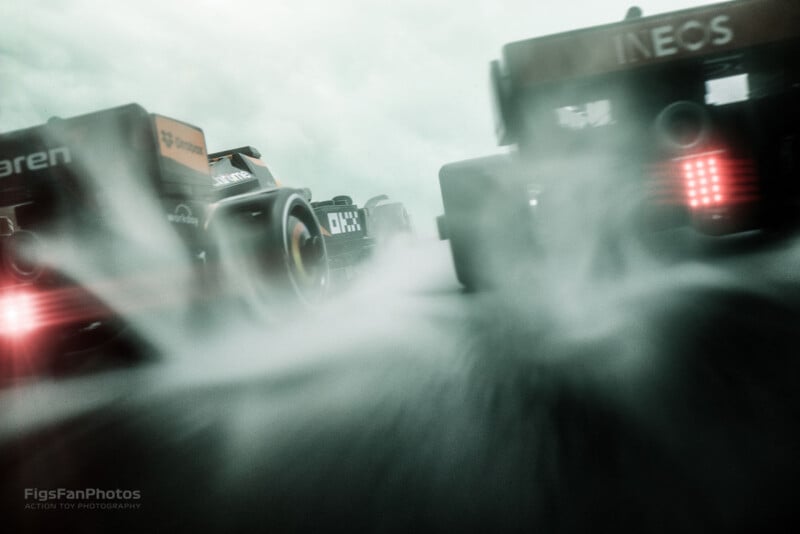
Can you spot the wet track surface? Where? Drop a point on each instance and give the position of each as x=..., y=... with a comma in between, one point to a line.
x=660, y=402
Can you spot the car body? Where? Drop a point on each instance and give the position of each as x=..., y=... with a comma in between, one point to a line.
x=699, y=107
x=124, y=171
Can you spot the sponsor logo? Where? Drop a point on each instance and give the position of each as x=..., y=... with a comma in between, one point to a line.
x=167, y=138
x=232, y=178
x=35, y=161
x=344, y=222
x=181, y=144
x=183, y=215
x=668, y=40
x=589, y=115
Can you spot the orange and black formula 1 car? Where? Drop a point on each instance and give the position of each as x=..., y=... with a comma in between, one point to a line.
x=119, y=172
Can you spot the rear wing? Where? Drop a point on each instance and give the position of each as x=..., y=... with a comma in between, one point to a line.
x=676, y=52
x=101, y=148
x=688, y=34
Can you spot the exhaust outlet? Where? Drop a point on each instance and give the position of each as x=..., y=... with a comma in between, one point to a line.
x=683, y=125
x=22, y=254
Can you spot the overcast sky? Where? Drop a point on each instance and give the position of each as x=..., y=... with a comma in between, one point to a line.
x=344, y=96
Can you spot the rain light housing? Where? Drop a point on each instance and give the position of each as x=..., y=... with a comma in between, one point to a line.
x=704, y=180
x=715, y=181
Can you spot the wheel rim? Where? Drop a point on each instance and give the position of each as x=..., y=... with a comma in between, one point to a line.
x=306, y=257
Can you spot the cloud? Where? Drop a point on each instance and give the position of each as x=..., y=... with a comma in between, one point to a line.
x=348, y=96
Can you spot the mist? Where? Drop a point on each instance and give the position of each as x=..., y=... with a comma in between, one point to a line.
x=613, y=379
x=656, y=393
x=350, y=97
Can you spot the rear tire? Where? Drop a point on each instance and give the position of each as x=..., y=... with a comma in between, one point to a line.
x=487, y=220
x=271, y=250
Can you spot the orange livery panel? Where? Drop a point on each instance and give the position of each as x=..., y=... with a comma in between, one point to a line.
x=182, y=143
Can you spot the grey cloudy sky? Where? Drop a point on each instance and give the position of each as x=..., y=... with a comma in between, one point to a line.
x=343, y=96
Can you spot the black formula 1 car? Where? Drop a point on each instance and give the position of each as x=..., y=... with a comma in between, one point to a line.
x=694, y=114
x=89, y=178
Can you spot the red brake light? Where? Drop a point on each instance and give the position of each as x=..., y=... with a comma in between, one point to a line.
x=17, y=315
x=713, y=180
x=705, y=179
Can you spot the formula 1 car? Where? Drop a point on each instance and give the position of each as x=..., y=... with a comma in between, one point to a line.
x=701, y=107
x=77, y=178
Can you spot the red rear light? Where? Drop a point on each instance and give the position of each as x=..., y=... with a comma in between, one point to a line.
x=713, y=180
x=705, y=181
x=17, y=315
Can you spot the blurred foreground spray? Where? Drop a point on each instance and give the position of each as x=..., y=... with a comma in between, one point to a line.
x=601, y=386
